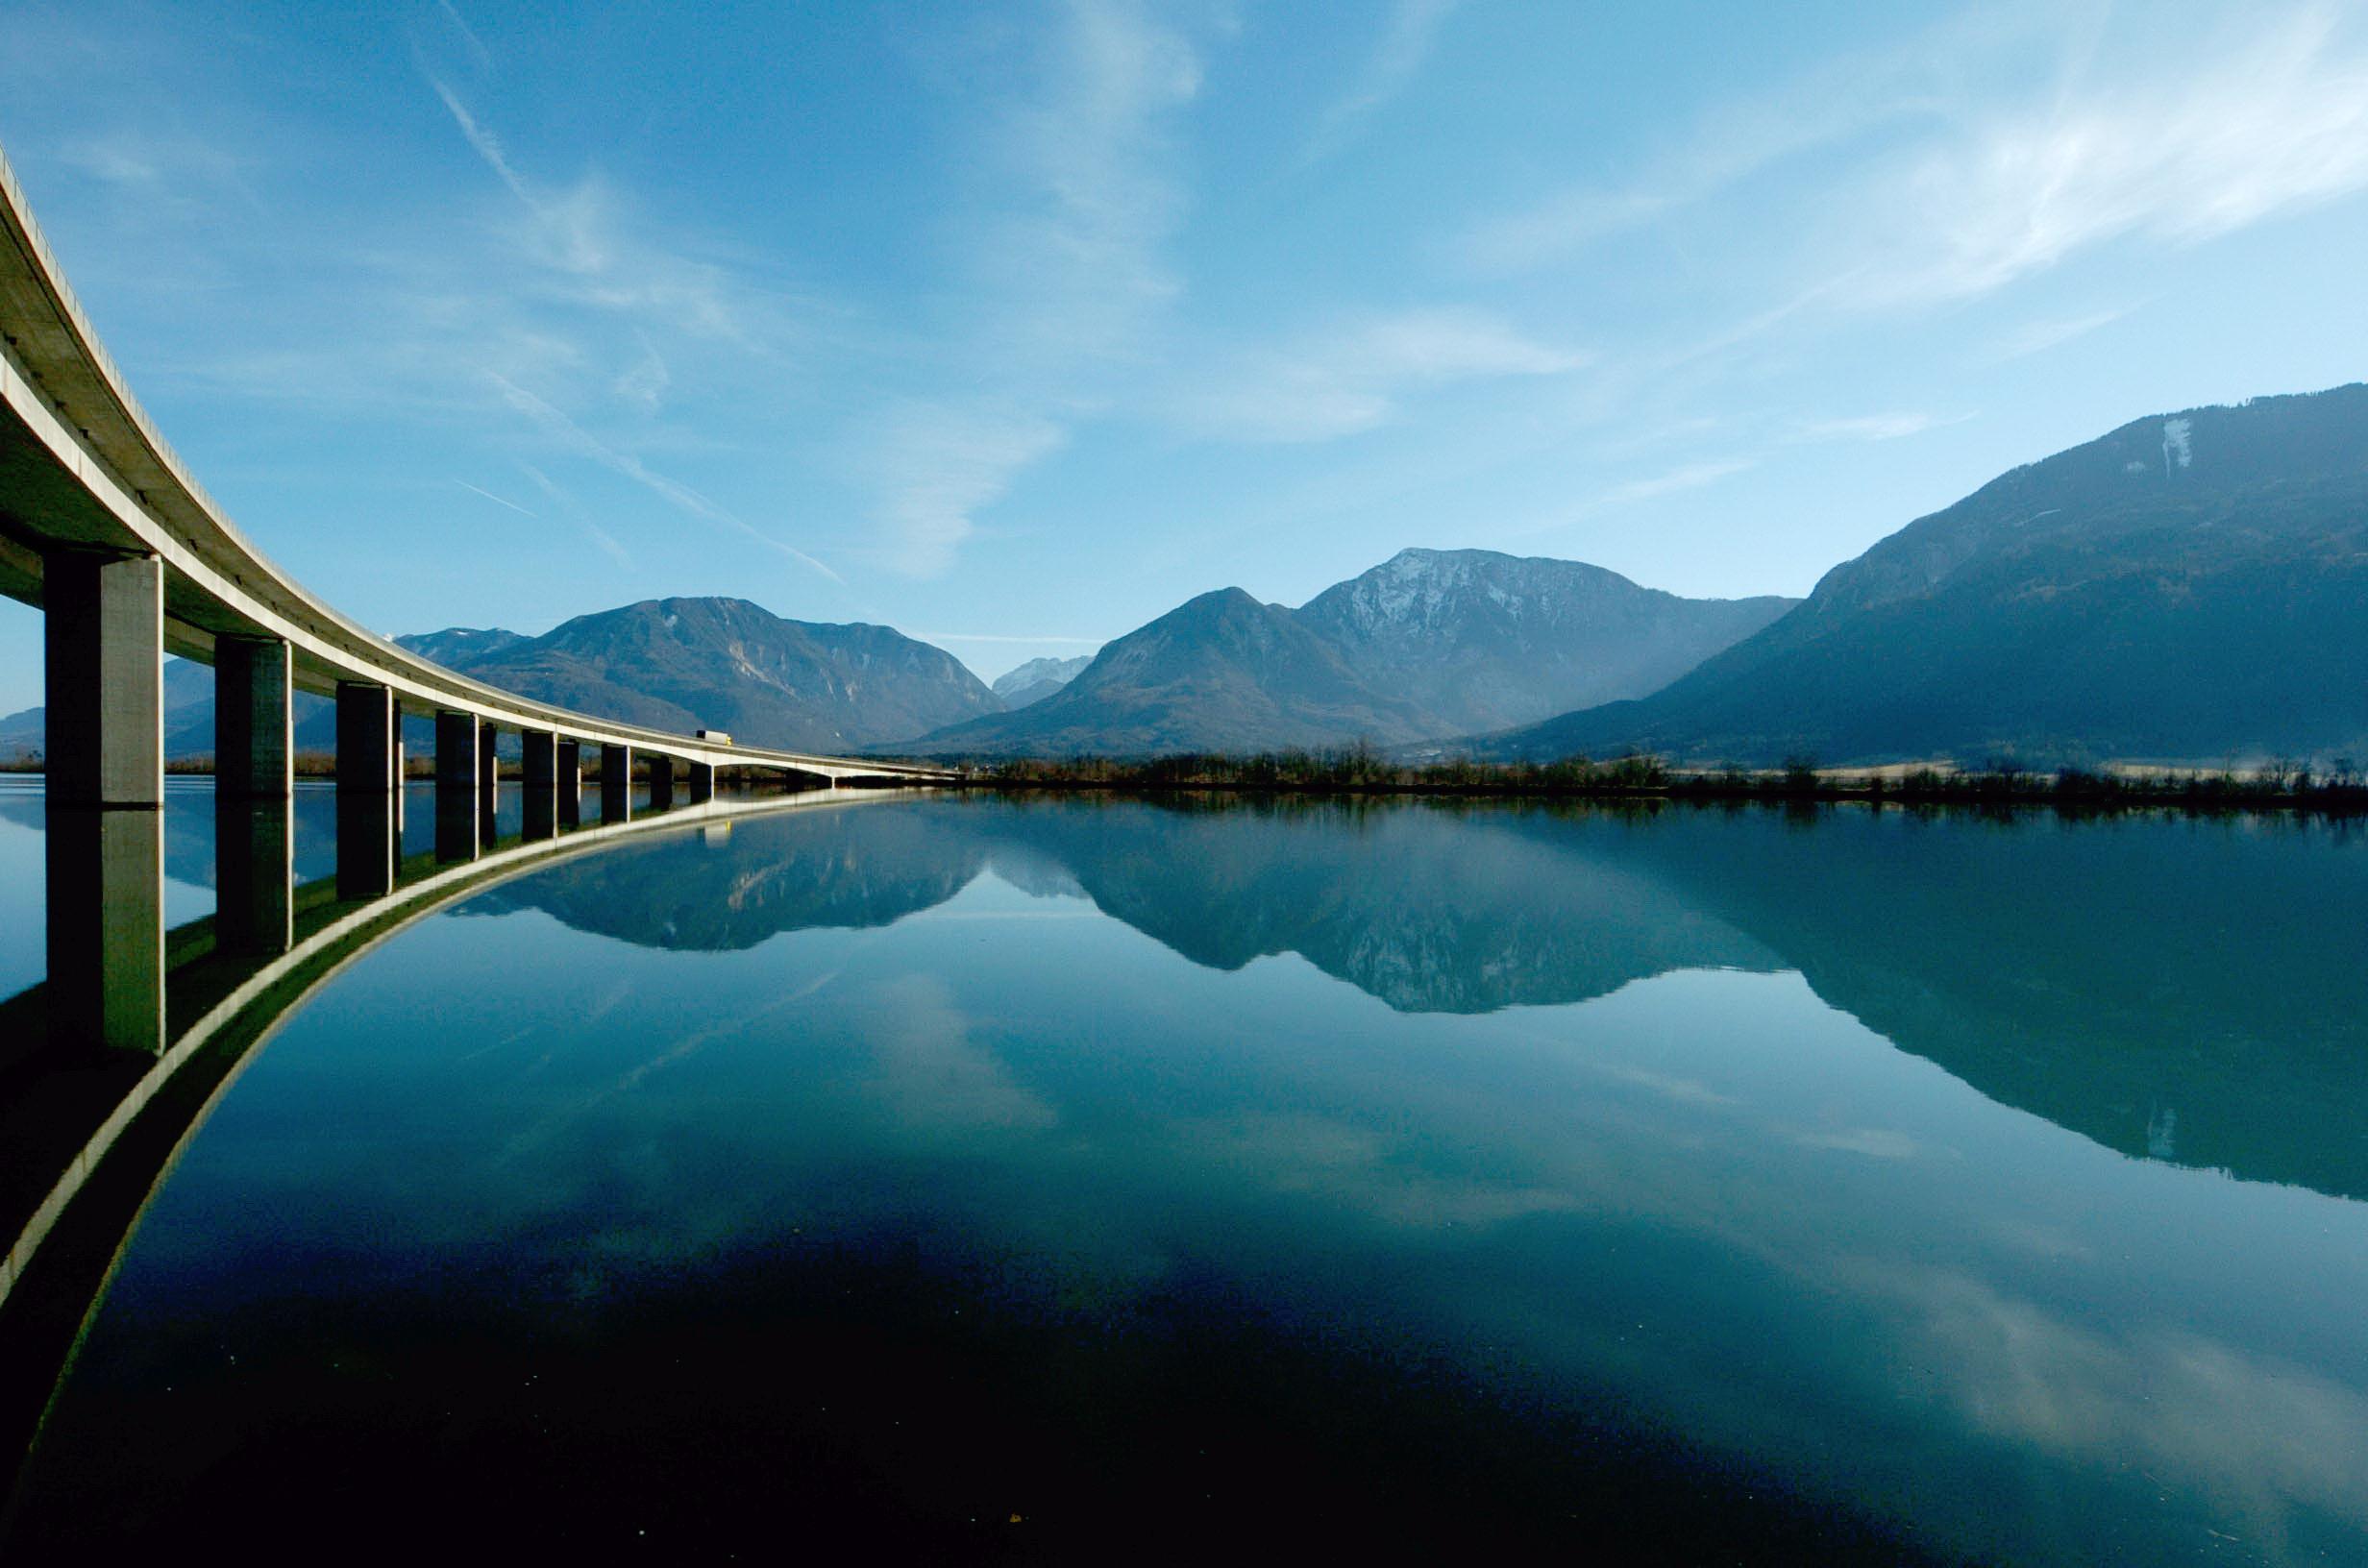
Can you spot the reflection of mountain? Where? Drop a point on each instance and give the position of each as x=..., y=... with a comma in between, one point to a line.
x=2175, y=988
x=717, y=892
x=2162, y=987
x=1431, y=910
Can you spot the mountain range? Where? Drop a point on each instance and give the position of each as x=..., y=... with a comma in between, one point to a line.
x=1429, y=644
x=1036, y=679
x=678, y=664
x=2190, y=586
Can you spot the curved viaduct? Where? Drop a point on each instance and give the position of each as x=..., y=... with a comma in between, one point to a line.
x=104, y=530
x=88, y=1148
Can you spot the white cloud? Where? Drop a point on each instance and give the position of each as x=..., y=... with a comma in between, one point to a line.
x=1406, y=41
x=1690, y=477
x=940, y=464
x=1891, y=427
x=600, y=536
x=2039, y=336
x=1066, y=273
x=574, y=438
x=2270, y=124
x=1353, y=378
x=498, y=500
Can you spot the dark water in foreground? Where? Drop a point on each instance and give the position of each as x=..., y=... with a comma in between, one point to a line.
x=938, y=1180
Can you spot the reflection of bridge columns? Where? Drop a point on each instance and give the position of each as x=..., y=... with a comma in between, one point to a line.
x=254, y=874
x=616, y=783
x=103, y=639
x=455, y=786
x=703, y=782
x=369, y=789
x=662, y=781
x=253, y=779
x=540, y=765
x=571, y=783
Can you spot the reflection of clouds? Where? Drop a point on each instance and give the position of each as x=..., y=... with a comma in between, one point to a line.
x=2255, y=1433
x=1323, y=1157
x=543, y=1128
x=930, y=1074
x=1875, y=1142
x=1684, y=1090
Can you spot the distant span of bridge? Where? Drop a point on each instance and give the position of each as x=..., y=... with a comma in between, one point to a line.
x=103, y=529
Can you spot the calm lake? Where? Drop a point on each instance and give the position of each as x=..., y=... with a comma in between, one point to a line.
x=953, y=1179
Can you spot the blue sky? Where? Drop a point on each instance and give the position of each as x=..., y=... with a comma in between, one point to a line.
x=1014, y=326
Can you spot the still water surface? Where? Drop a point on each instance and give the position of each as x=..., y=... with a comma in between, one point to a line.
x=953, y=1179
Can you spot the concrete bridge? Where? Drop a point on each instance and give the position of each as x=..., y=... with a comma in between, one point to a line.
x=103, y=529
x=88, y=1134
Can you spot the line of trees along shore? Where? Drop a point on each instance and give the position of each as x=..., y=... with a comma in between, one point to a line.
x=2341, y=788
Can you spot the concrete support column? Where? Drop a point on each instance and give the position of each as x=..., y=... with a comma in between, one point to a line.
x=456, y=827
x=616, y=783
x=570, y=768
x=369, y=789
x=104, y=639
x=254, y=743
x=662, y=781
x=105, y=901
x=488, y=763
x=456, y=752
x=703, y=782
x=541, y=748
x=367, y=738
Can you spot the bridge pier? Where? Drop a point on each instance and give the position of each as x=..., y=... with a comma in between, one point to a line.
x=703, y=782
x=570, y=769
x=541, y=749
x=103, y=640
x=254, y=780
x=616, y=783
x=456, y=827
x=662, y=781
x=369, y=789
x=254, y=747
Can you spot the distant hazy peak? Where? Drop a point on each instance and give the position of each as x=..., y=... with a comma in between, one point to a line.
x=1038, y=678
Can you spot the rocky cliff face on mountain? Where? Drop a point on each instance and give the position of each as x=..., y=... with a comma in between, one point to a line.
x=1038, y=679
x=2187, y=587
x=1431, y=644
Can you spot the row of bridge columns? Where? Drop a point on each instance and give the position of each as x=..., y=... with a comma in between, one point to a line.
x=104, y=647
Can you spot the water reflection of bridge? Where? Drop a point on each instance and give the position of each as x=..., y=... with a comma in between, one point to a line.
x=103, y=529
x=89, y=1133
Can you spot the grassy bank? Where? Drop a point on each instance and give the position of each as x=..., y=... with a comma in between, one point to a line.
x=2343, y=790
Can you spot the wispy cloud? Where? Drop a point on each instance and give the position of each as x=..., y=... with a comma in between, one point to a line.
x=2262, y=124
x=944, y=463
x=479, y=54
x=1066, y=273
x=594, y=257
x=1837, y=103
x=1689, y=476
x=1406, y=40
x=2039, y=336
x=1354, y=378
x=1001, y=637
x=498, y=500
x=567, y=503
x=1891, y=427
x=574, y=438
